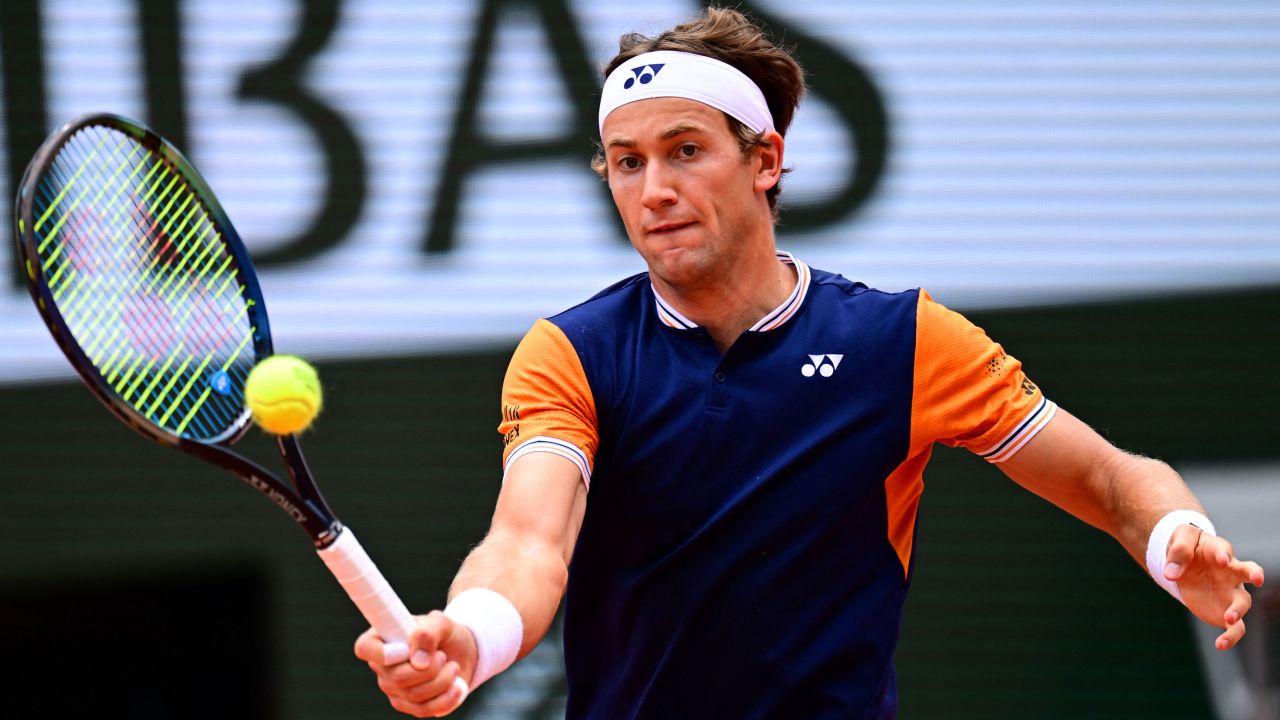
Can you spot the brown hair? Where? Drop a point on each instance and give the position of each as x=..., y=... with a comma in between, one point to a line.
x=730, y=37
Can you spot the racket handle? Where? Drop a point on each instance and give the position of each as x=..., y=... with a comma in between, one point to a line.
x=371, y=592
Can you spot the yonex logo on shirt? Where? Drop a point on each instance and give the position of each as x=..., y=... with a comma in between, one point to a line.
x=824, y=365
x=643, y=73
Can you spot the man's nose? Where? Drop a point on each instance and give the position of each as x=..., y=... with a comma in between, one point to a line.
x=659, y=186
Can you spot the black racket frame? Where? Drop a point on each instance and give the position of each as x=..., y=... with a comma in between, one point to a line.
x=302, y=500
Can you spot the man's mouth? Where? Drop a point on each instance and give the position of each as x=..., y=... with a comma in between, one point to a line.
x=668, y=227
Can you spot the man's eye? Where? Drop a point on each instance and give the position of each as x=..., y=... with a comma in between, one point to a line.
x=628, y=163
x=687, y=151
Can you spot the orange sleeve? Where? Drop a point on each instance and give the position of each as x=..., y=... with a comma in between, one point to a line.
x=968, y=392
x=547, y=404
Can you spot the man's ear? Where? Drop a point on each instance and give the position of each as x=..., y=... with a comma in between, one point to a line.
x=769, y=151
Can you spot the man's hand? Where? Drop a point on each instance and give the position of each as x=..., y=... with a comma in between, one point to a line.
x=427, y=678
x=1212, y=580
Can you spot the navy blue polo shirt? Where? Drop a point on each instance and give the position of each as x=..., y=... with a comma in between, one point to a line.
x=747, y=543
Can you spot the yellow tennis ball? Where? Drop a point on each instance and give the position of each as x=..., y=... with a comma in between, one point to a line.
x=283, y=393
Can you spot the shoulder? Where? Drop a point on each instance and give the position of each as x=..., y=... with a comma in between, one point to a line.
x=830, y=289
x=607, y=313
x=618, y=298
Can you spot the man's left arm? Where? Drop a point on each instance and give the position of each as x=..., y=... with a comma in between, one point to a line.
x=1125, y=495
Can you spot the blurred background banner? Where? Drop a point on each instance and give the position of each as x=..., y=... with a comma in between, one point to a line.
x=1095, y=183
x=435, y=155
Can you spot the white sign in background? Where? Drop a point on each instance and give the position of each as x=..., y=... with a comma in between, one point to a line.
x=1039, y=153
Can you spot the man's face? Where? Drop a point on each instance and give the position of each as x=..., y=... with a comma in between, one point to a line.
x=691, y=205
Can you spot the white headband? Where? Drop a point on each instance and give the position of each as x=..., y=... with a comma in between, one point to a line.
x=669, y=73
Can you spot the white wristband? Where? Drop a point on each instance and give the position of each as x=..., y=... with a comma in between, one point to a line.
x=496, y=625
x=1158, y=544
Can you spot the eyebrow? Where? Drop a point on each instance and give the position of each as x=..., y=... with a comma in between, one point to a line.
x=680, y=129
x=673, y=131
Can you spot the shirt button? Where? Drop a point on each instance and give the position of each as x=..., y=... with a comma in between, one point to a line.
x=719, y=376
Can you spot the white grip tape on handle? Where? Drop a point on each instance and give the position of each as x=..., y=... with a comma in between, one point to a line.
x=370, y=591
x=372, y=594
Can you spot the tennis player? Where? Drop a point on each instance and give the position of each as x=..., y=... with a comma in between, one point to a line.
x=717, y=463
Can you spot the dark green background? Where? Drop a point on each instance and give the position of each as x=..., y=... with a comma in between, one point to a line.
x=167, y=582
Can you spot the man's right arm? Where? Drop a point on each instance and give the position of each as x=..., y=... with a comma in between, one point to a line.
x=524, y=558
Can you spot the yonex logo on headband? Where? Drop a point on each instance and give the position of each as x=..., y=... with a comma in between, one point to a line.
x=690, y=76
x=644, y=74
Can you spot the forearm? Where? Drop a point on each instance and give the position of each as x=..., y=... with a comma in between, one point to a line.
x=1121, y=494
x=1136, y=492
x=530, y=575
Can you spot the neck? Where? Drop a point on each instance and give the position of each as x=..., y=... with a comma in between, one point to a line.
x=729, y=305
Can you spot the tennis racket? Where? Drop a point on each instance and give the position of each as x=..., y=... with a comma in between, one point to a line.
x=148, y=290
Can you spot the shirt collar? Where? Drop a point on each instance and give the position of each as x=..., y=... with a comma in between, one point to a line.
x=771, y=321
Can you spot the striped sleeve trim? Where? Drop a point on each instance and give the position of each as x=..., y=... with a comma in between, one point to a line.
x=555, y=446
x=1032, y=424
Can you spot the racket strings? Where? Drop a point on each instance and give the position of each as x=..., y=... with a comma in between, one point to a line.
x=150, y=237
x=79, y=258
x=145, y=283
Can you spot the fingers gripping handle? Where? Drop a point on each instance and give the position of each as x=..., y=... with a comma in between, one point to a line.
x=357, y=574
x=371, y=592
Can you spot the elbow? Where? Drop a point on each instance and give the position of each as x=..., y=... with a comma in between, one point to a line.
x=555, y=568
x=545, y=563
